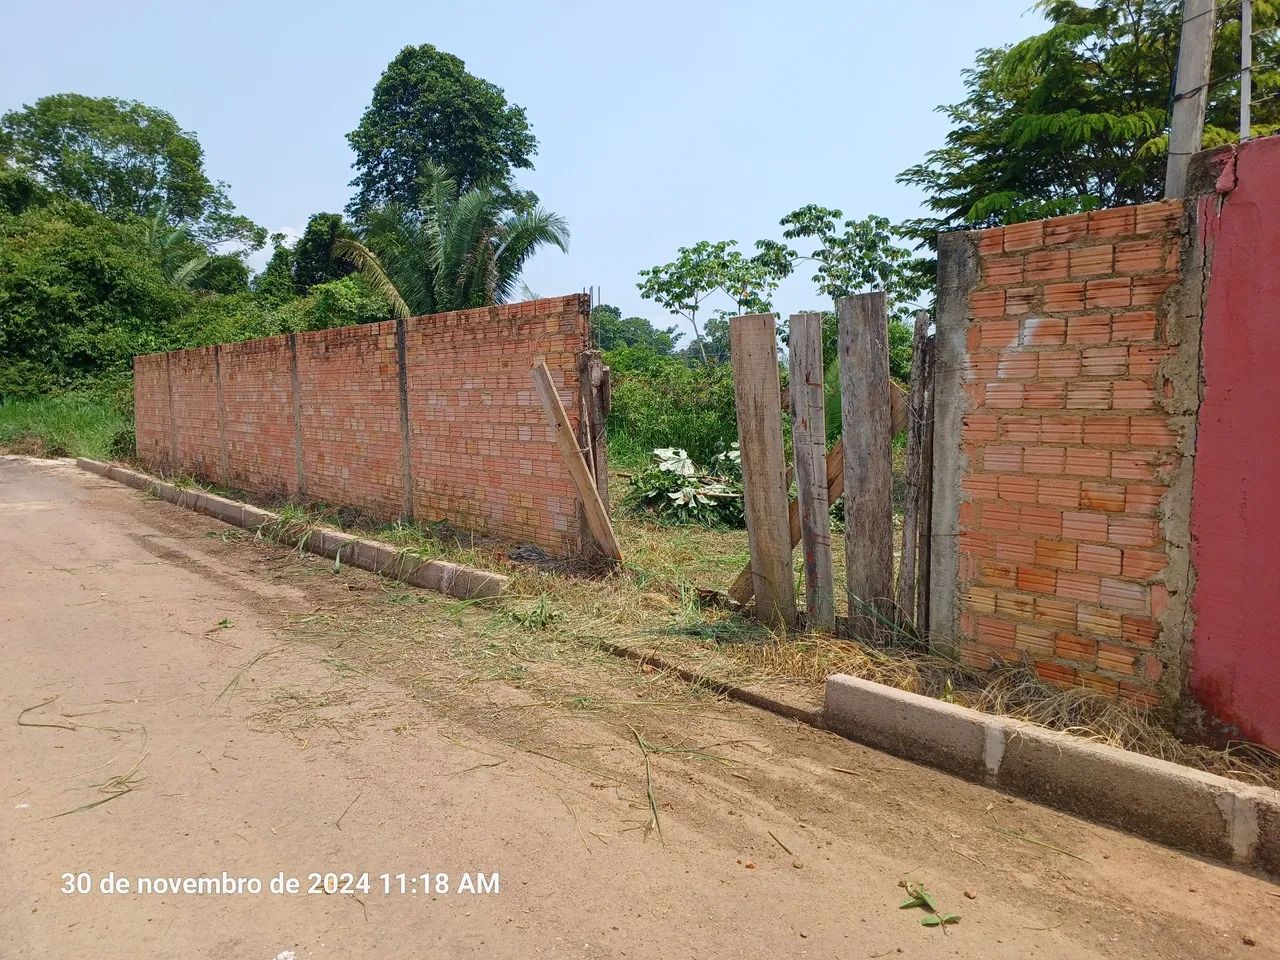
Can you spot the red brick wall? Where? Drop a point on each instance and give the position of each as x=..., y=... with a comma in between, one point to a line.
x=1061, y=550
x=257, y=394
x=349, y=389
x=480, y=454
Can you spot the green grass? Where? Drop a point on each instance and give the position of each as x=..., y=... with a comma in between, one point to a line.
x=80, y=424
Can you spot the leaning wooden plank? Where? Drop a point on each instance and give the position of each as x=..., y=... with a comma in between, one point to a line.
x=868, y=476
x=742, y=588
x=907, y=577
x=753, y=344
x=809, y=443
x=597, y=517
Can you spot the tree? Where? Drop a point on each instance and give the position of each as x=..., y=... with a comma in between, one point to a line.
x=80, y=295
x=1076, y=117
x=457, y=250
x=428, y=110
x=706, y=268
x=853, y=257
x=314, y=259
x=610, y=331
x=124, y=159
x=275, y=283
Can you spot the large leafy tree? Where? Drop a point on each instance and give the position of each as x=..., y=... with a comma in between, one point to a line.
x=455, y=250
x=1076, y=117
x=427, y=110
x=124, y=159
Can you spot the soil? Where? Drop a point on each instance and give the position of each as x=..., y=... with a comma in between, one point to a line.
x=231, y=706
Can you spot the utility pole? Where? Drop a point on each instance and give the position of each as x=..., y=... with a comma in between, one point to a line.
x=1191, y=91
x=1246, y=66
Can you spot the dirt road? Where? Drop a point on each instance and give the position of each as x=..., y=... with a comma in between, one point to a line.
x=179, y=701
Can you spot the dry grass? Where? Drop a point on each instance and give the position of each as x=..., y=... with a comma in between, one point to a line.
x=655, y=601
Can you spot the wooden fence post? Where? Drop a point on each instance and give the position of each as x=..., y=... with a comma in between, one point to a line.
x=809, y=442
x=925, y=506
x=868, y=479
x=742, y=588
x=597, y=517
x=754, y=347
x=907, y=576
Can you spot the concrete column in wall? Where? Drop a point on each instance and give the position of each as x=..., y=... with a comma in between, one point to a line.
x=957, y=277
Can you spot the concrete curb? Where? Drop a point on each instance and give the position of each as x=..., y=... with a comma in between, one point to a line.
x=751, y=696
x=452, y=579
x=1199, y=812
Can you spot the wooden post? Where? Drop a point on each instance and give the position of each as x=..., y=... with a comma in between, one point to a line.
x=596, y=515
x=1191, y=91
x=925, y=508
x=743, y=588
x=809, y=442
x=907, y=578
x=754, y=346
x=594, y=380
x=868, y=478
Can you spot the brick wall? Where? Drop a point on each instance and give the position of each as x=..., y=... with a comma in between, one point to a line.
x=457, y=434
x=1067, y=449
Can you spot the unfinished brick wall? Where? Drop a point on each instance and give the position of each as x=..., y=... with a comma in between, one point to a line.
x=432, y=418
x=1066, y=449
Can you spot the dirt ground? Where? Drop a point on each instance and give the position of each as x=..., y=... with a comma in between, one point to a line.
x=230, y=706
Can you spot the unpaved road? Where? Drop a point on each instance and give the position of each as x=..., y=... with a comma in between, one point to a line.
x=244, y=710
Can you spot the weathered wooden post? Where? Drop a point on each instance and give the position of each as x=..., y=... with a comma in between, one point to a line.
x=754, y=345
x=809, y=442
x=868, y=480
x=907, y=575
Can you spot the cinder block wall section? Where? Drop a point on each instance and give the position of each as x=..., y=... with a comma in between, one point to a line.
x=1059, y=448
x=432, y=418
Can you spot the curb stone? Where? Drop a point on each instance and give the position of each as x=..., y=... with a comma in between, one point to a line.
x=1178, y=806
x=442, y=576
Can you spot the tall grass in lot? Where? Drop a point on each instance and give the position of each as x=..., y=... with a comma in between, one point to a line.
x=79, y=424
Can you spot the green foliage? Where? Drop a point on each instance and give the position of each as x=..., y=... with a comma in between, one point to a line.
x=225, y=274
x=1075, y=118
x=427, y=110
x=80, y=295
x=78, y=424
x=314, y=258
x=660, y=402
x=674, y=490
x=247, y=316
x=610, y=331
x=276, y=282
x=706, y=268
x=456, y=251
x=855, y=257
x=125, y=160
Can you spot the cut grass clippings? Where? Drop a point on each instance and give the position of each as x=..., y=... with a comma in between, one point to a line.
x=654, y=602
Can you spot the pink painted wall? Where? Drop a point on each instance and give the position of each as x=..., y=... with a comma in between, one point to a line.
x=1235, y=514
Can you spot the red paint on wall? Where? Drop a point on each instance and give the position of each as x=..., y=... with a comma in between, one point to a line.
x=1235, y=513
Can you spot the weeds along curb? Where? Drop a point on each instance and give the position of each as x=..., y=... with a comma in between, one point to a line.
x=1184, y=808
x=452, y=579
x=751, y=696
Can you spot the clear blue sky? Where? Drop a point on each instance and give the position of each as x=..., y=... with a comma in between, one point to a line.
x=661, y=123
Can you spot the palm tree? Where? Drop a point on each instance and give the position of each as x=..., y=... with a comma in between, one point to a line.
x=456, y=251
x=172, y=248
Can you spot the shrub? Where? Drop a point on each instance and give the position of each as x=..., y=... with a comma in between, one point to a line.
x=675, y=490
x=660, y=401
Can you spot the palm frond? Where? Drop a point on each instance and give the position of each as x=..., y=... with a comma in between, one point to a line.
x=185, y=275
x=367, y=262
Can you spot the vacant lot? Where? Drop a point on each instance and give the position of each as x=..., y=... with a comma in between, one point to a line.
x=204, y=702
